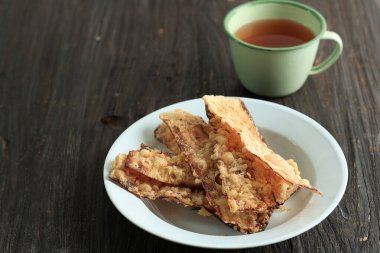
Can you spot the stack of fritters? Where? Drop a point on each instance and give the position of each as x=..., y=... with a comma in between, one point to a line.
x=224, y=166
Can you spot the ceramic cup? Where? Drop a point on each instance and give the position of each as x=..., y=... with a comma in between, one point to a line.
x=275, y=72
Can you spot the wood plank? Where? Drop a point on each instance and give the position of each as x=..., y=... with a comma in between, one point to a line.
x=66, y=65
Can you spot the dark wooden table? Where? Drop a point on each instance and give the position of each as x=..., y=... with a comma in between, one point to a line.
x=74, y=74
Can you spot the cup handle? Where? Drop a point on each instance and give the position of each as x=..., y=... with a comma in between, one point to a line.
x=328, y=35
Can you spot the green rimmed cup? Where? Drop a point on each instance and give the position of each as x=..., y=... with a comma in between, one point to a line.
x=276, y=72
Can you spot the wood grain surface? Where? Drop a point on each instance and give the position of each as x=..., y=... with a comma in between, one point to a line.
x=74, y=74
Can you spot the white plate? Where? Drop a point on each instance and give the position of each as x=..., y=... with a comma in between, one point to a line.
x=288, y=132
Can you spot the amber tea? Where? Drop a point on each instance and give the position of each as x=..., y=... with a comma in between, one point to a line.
x=275, y=33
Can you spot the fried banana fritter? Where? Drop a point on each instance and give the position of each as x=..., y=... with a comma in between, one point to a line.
x=164, y=167
x=225, y=167
x=231, y=115
x=163, y=135
x=193, y=138
x=143, y=186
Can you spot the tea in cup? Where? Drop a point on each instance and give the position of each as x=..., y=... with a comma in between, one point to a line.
x=274, y=44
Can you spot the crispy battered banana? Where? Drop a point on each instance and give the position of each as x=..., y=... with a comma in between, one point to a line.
x=192, y=136
x=163, y=135
x=245, y=190
x=243, y=180
x=161, y=166
x=231, y=115
x=143, y=186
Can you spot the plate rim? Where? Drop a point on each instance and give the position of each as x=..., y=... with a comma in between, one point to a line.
x=247, y=244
